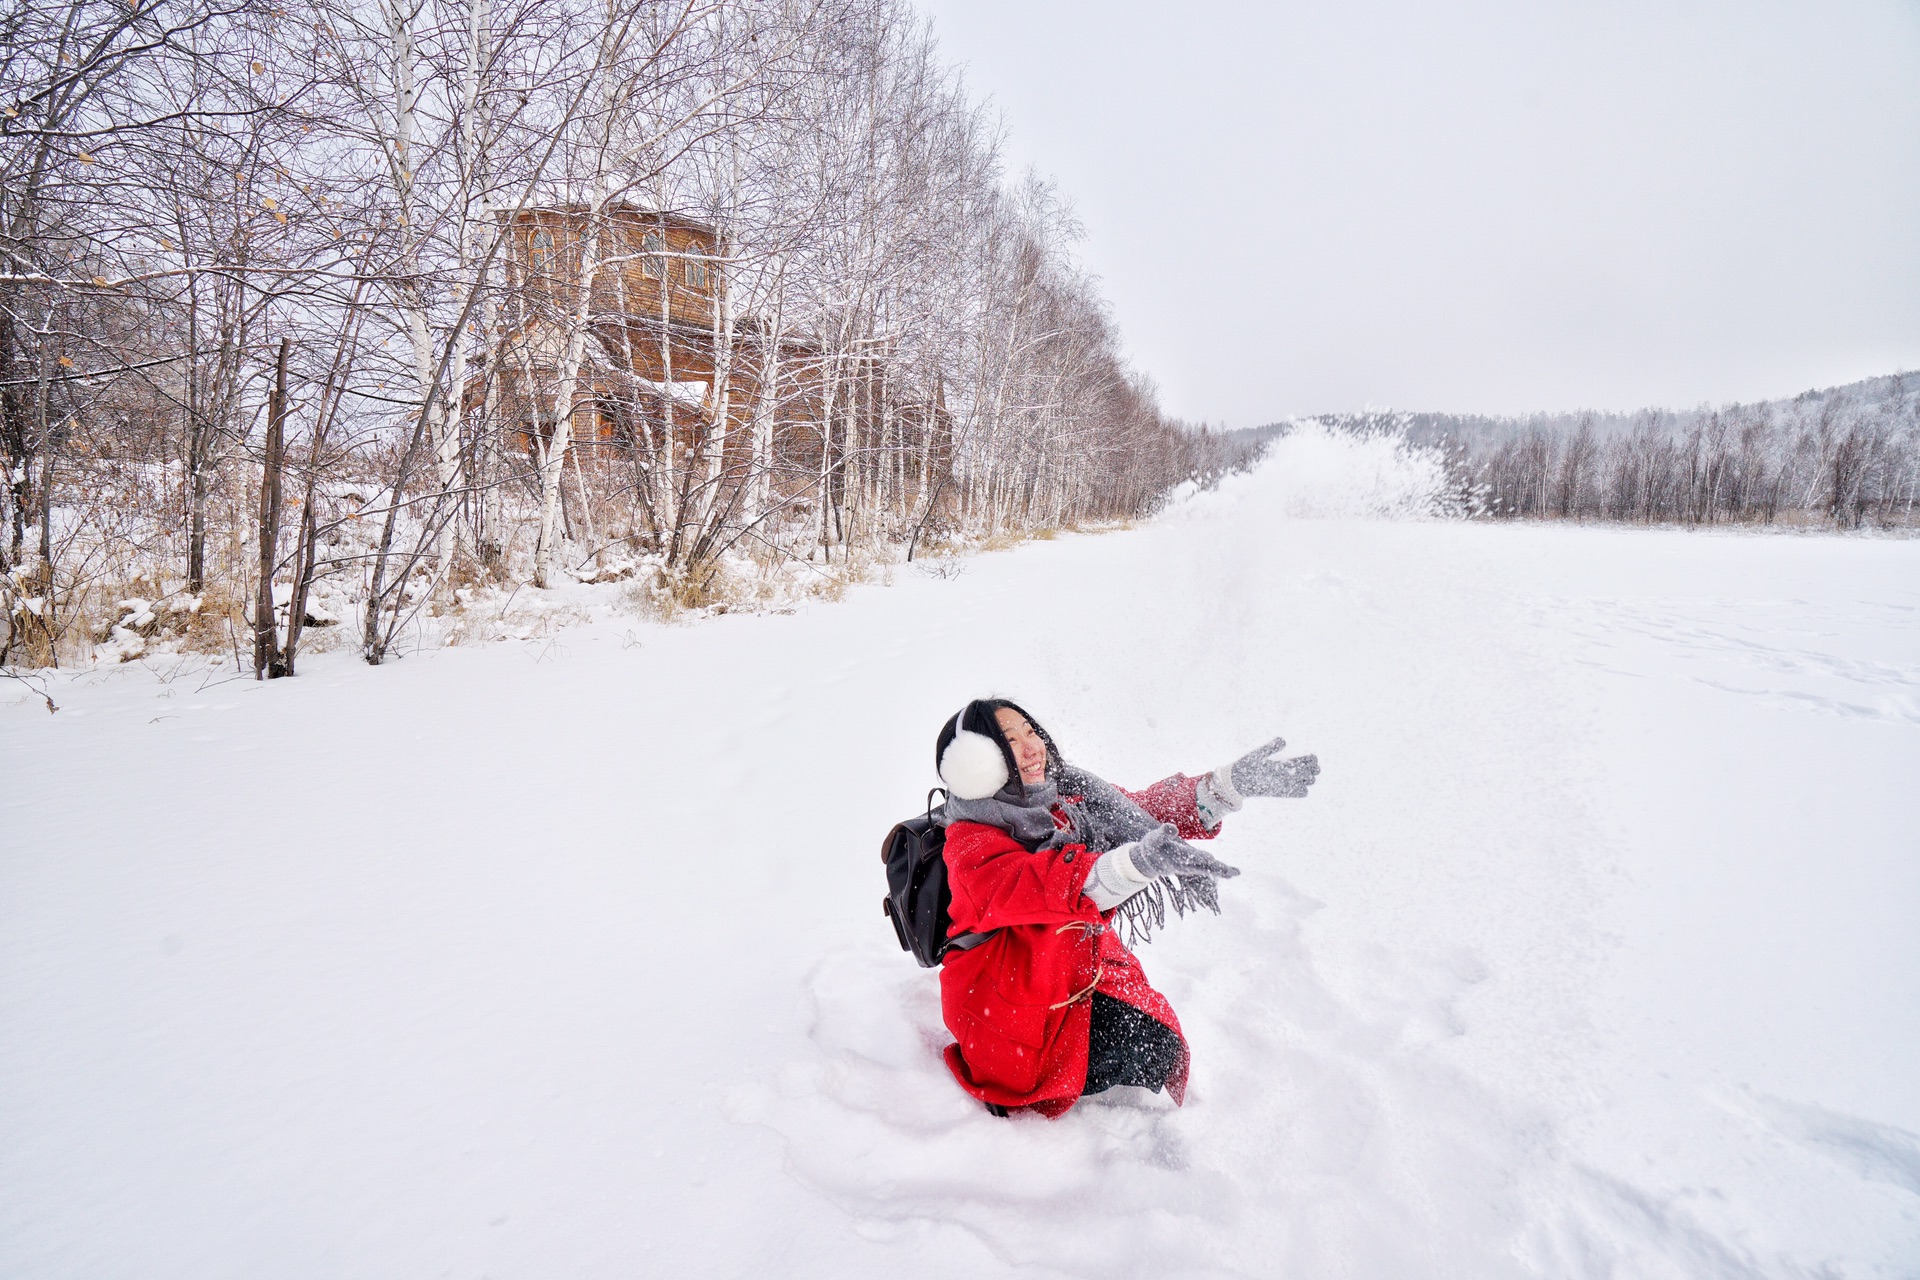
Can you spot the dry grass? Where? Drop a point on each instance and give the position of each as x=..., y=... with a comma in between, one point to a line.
x=73, y=619
x=222, y=616
x=1045, y=533
x=34, y=641
x=86, y=622
x=644, y=598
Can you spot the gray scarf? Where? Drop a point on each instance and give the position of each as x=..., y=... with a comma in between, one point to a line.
x=1104, y=817
x=1023, y=812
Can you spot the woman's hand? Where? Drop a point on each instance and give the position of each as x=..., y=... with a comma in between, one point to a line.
x=1265, y=772
x=1162, y=852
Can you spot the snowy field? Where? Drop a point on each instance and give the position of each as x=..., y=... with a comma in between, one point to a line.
x=1596, y=951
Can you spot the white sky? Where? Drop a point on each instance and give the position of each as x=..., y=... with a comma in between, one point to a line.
x=1500, y=205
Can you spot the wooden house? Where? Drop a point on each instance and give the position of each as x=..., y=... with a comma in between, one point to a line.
x=654, y=315
x=666, y=345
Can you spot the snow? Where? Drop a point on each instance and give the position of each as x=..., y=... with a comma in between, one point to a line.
x=691, y=391
x=1591, y=954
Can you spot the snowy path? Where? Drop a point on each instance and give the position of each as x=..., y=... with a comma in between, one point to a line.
x=1593, y=954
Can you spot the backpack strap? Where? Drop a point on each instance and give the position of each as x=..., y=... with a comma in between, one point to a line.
x=965, y=941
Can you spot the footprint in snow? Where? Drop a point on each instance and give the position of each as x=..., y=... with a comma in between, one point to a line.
x=1877, y=1152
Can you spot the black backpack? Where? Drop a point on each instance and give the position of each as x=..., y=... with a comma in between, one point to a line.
x=917, y=894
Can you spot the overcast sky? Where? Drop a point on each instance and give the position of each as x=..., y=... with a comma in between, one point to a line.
x=1495, y=206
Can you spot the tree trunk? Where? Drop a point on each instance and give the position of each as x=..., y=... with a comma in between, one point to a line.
x=268, y=663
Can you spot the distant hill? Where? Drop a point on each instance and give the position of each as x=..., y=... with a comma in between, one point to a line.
x=1870, y=397
x=1847, y=456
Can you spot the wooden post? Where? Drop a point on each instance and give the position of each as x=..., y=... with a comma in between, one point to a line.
x=267, y=661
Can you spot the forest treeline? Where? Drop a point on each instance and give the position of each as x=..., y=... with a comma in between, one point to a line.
x=276, y=350
x=1846, y=457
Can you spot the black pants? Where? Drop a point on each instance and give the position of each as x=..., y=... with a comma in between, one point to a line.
x=1128, y=1047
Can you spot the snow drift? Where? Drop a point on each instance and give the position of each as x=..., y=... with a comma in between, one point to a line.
x=1314, y=471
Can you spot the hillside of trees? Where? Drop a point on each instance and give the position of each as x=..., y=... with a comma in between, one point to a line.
x=1845, y=457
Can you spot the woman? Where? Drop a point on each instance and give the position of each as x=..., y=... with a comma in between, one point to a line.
x=1045, y=859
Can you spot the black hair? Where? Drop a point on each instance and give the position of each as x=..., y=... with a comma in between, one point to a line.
x=979, y=716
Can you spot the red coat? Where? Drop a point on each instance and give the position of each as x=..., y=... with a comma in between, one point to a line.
x=1019, y=1004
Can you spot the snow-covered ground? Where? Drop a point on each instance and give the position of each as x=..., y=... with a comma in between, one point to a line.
x=1594, y=953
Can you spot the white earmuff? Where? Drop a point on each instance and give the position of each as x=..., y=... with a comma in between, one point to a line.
x=973, y=766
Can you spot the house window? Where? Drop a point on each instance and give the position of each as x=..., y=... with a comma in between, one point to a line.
x=696, y=272
x=540, y=252
x=652, y=245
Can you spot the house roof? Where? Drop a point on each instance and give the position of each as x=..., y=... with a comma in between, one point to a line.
x=656, y=216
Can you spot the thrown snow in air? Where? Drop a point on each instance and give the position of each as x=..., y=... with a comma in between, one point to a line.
x=1592, y=954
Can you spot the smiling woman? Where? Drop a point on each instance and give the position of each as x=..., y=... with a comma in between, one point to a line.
x=1042, y=859
x=1029, y=748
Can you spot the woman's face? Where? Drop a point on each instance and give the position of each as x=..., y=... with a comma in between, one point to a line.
x=1029, y=750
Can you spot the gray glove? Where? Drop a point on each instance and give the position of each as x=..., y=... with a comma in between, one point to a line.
x=1163, y=853
x=1264, y=772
